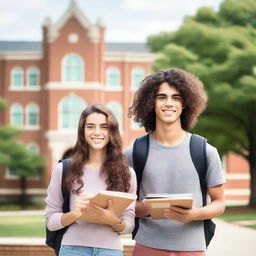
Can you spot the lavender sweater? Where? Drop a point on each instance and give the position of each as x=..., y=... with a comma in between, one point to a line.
x=82, y=233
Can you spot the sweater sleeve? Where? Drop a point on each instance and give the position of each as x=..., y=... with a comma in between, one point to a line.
x=129, y=213
x=54, y=200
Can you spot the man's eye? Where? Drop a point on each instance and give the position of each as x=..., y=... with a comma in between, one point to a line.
x=160, y=97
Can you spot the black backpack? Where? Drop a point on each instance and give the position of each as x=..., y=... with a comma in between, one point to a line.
x=53, y=238
x=198, y=155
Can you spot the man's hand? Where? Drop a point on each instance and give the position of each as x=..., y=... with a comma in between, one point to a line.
x=141, y=209
x=182, y=215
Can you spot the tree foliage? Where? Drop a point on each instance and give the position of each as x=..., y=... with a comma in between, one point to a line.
x=219, y=47
x=14, y=155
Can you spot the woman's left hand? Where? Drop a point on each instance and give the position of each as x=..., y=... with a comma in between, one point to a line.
x=106, y=215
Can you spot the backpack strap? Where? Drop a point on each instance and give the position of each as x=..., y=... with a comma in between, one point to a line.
x=199, y=158
x=139, y=157
x=65, y=193
x=198, y=155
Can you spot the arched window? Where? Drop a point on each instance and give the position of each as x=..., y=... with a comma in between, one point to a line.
x=33, y=147
x=73, y=68
x=69, y=111
x=33, y=77
x=16, y=115
x=113, y=77
x=138, y=74
x=32, y=115
x=116, y=108
x=17, y=78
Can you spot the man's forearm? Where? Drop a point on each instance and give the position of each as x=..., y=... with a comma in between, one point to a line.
x=141, y=209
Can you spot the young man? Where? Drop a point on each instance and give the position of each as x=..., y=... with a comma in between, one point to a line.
x=168, y=104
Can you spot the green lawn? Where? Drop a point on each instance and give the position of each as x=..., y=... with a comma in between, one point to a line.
x=22, y=226
x=33, y=226
x=236, y=214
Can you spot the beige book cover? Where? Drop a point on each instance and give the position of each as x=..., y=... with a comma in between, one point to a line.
x=158, y=202
x=120, y=200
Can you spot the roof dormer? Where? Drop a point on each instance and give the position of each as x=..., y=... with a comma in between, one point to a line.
x=92, y=30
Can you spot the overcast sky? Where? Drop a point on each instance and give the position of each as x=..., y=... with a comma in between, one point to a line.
x=125, y=20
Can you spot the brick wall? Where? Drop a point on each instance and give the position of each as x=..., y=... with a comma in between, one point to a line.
x=39, y=250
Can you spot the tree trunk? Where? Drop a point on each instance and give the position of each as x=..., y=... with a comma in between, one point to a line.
x=252, y=201
x=23, y=196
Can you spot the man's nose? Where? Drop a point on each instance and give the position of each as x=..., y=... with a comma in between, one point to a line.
x=169, y=101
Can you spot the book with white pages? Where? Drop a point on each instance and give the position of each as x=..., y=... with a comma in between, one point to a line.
x=120, y=201
x=159, y=202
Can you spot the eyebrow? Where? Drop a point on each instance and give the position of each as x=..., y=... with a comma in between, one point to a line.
x=94, y=124
x=164, y=94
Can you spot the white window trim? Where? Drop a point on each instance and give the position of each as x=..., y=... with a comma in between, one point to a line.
x=133, y=87
x=121, y=124
x=11, y=115
x=108, y=86
x=20, y=87
x=63, y=68
x=59, y=125
x=27, y=125
x=27, y=78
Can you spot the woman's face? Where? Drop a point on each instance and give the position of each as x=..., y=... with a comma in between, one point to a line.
x=96, y=131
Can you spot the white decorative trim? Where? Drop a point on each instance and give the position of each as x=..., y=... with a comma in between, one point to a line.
x=73, y=11
x=237, y=176
x=110, y=89
x=236, y=202
x=73, y=38
x=25, y=88
x=59, y=141
x=31, y=127
x=21, y=55
x=129, y=57
x=237, y=192
x=73, y=86
x=17, y=191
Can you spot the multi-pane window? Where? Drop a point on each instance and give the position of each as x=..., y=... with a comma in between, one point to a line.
x=138, y=74
x=33, y=77
x=32, y=115
x=116, y=108
x=70, y=110
x=113, y=77
x=16, y=115
x=17, y=79
x=33, y=148
x=73, y=68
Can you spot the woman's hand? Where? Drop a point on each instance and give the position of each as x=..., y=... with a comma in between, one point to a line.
x=82, y=203
x=107, y=215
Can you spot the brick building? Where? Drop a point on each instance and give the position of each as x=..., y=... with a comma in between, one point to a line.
x=48, y=83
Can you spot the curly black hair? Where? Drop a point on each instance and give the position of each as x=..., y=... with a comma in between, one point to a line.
x=188, y=85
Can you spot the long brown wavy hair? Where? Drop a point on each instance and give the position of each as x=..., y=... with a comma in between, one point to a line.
x=114, y=166
x=188, y=85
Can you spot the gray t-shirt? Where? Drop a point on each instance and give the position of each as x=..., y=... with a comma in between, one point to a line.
x=169, y=169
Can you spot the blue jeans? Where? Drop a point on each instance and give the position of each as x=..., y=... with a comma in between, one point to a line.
x=74, y=250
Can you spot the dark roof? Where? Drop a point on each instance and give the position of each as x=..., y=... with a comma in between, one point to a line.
x=36, y=46
x=20, y=46
x=127, y=47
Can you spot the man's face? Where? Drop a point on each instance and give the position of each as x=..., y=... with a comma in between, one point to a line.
x=168, y=105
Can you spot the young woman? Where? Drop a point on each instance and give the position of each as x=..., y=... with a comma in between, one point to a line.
x=96, y=164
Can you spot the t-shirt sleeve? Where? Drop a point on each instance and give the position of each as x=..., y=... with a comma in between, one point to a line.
x=129, y=213
x=214, y=175
x=54, y=200
x=128, y=155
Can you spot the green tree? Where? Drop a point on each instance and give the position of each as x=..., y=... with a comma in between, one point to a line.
x=16, y=156
x=219, y=47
